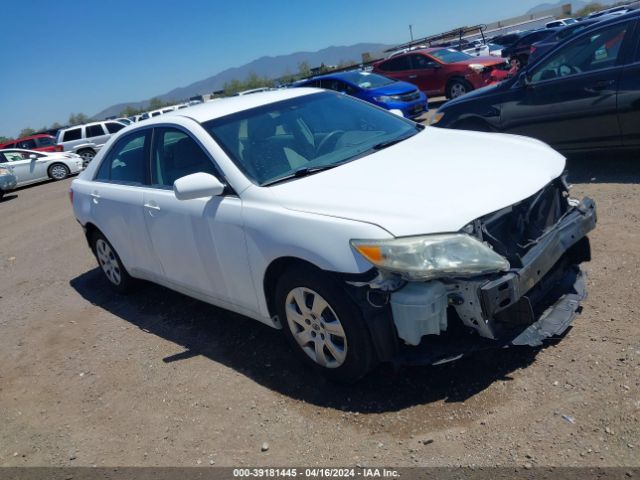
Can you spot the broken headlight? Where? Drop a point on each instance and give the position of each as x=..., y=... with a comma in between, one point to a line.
x=432, y=256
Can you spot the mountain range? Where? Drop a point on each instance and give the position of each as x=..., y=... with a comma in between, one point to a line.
x=575, y=5
x=272, y=67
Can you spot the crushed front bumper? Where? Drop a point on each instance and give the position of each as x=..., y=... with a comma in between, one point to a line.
x=524, y=306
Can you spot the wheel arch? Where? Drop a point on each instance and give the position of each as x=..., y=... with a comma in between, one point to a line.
x=273, y=272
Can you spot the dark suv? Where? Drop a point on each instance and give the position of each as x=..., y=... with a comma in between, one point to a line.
x=521, y=49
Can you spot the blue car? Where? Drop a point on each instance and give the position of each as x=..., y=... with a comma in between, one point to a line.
x=377, y=89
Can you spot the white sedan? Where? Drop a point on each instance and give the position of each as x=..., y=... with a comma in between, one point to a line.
x=30, y=166
x=364, y=236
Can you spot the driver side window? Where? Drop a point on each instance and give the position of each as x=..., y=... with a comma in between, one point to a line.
x=599, y=50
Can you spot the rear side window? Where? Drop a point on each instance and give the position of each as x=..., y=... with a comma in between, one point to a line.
x=45, y=141
x=176, y=154
x=73, y=134
x=114, y=127
x=27, y=144
x=397, y=64
x=126, y=162
x=94, y=130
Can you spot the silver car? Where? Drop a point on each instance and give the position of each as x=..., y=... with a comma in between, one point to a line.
x=30, y=166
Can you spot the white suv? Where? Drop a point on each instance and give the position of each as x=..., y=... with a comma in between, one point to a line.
x=87, y=140
x=364, y=236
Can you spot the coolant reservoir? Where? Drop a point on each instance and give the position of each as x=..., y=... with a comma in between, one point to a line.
x=419, y=309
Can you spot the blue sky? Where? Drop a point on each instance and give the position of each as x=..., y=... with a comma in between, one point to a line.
x=82, y=56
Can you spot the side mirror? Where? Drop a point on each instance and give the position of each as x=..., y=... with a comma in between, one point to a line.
x=397, y=112
x=525, y=79
x=197, y=185
x=32, y=156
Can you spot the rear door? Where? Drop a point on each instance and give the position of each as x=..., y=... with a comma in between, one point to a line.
x=97, y=134
x=397, y=67
x=19, y=163
x=116, y=202
x=570, y=99
x=427, y=74
x=629, y=96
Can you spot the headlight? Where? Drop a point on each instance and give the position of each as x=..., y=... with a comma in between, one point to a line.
x=432, y=256
x=383, y=99
x=5, y=171
x=476, y=67
x=436, y=118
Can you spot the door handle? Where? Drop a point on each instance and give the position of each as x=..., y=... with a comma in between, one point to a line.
x=95, y=196
x=599, y=86
x=413, y=76
x=152, y=206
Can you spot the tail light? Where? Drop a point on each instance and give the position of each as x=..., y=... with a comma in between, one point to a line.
x=71, y=196
x=59, y=148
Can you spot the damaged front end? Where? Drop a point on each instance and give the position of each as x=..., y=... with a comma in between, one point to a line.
x=536, y=297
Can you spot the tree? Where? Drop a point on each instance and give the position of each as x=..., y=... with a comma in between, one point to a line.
x=26, y=132
x=155, y=103
x=130, y=111
x=592, y=7
x=4, y=139
x=303, y=69
x=78, y=119
x=55, y=125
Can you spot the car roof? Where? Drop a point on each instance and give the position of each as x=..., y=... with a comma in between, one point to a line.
x=227, y=106
x=340, y=75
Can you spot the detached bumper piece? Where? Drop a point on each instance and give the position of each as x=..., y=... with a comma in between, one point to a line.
x=534, y=302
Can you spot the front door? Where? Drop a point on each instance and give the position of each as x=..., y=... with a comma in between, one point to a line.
x=200, y=242
x=629, y=98
x=570, y=98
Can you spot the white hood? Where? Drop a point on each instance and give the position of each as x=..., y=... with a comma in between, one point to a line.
x=437, y=181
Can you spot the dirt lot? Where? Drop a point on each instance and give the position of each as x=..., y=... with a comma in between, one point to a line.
x=91, y=378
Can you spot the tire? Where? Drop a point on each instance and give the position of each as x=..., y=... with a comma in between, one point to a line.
x=2, y=192
x=458, y=87
x=87, y=155
x=111, y=265
x=329, y=335
x=58, y=171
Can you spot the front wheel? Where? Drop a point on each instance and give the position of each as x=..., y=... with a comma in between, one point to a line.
x=324, y=326
x=457, y=88
x=58, y=171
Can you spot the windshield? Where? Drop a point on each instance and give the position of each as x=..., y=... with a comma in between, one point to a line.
x=449, y=55
x=367, y=80
x=311, y=132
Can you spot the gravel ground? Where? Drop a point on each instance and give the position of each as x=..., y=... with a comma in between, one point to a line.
x=88, y=377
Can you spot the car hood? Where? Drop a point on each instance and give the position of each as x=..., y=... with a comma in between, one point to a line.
x=395, y=88
x=436, y=181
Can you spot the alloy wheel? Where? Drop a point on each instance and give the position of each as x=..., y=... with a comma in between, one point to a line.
x=108, y=261
x=58, y=172
x=457, y=90
x=316, y=327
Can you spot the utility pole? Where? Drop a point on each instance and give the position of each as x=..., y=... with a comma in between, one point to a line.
x=411, y=32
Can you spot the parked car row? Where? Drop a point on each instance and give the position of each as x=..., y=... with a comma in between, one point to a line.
x=582, y=94
x=19, y=167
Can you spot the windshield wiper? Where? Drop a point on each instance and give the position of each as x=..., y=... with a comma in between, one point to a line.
x=299, y=173
x=388, y=143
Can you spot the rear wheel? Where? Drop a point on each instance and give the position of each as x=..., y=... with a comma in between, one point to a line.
x=87, y=155
x=111, y=265
x=457, y=88
x=324, y=326
x=58, y=171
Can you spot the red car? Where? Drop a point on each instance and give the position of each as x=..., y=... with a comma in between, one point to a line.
x=442, y=71
x=40, y=142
